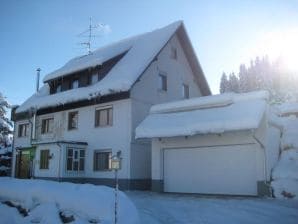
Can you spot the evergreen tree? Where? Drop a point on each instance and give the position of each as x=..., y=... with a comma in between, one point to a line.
x=263, y=75
x=224, y=83
x=233, y=83
x=5, y=123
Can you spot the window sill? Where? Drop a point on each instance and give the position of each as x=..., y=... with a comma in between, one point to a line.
x=103, y=126
x=107, y=170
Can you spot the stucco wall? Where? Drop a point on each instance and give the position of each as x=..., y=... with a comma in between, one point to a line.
x=146, y=93
x=116, y=137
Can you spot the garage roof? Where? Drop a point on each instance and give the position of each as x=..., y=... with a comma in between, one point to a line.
x=205, y=115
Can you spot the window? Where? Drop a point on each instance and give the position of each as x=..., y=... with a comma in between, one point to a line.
x=75, y=84
x=23, y=130
x=185, y=91
x=47, y=125
x=73, y=120
x=173, y=54
x=102, y=160
x=162, y=82
x=104, y=117
x=58, y=88
x=75, y=159
x=94, y=78
x=44, y=159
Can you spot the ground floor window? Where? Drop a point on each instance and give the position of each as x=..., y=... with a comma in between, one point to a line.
x=44, y=159
x=102, y=160
x=75, y=159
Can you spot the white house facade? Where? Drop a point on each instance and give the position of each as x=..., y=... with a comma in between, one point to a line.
x=87, y=111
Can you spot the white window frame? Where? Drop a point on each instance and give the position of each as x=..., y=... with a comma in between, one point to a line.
x=110, y=119
x=109, y=163
x=162, y=82
x=174, y=53
x=58, y=88
x=185, y=91
x=23, y=133
x=47, y=128
x=75, y=84
x=70, y=127
x=94, y=78
x=75, y=159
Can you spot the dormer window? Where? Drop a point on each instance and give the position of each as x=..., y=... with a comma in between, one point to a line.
x=58, y=88
x=94, y=78
x=75, y=84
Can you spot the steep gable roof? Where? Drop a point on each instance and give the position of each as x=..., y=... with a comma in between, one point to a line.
x=141, y=51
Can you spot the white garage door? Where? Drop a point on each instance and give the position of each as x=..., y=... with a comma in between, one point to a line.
x=212, y=170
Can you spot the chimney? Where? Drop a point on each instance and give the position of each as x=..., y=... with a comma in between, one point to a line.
x=37, y=79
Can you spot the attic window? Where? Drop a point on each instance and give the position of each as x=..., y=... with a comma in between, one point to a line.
x=94, y=78
x=162, y=82
x=75, y=84
x=185, y=91
x=58, y=89
x=173, y=54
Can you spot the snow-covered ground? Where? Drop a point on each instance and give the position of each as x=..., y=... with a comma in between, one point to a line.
x=44, y=200
x=285, y=173
x=157, y=208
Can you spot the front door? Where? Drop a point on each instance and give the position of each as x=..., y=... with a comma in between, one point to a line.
x=24, y=163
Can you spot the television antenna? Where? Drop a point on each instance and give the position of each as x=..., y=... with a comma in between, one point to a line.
x=89, y=34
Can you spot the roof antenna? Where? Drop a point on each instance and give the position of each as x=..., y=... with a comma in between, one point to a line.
x=88, y=34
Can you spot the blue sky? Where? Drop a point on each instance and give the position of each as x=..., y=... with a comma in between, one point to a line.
x=44, y=33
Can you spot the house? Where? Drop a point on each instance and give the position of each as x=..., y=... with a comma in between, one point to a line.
x=88, y=109
x=219, y=144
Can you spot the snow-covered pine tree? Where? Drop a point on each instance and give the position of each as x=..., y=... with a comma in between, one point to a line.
x=5, y=123
x=243, y=79
x=261, y=74
x=233, y=83
x=224, y=83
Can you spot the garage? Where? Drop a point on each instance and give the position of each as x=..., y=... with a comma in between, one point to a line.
x=210, y=145
x=211, y=170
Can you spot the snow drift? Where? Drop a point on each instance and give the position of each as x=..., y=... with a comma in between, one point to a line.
x=285, y=173
x=86, y=201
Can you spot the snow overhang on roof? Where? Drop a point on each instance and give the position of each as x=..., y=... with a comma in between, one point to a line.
x=205, y=115
x=286, y=109
x=141, y=51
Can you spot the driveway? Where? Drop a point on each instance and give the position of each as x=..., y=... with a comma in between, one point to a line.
x=175, y=208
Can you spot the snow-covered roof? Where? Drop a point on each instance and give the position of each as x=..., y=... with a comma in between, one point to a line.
x=142, y=49
x=287, y=108
x=203, y=115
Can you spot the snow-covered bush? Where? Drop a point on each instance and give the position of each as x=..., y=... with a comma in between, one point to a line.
x=45, y=199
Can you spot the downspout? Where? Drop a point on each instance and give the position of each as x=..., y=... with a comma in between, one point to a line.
x=59, y=163
x=32, y=136
x=264, y=155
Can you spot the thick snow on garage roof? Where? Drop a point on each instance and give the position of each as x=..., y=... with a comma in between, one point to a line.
x=287, y=108
x=141, y=51
x=203, y=115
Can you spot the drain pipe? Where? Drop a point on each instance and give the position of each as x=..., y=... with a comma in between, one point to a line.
x=59, y=163
x=264, y=155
